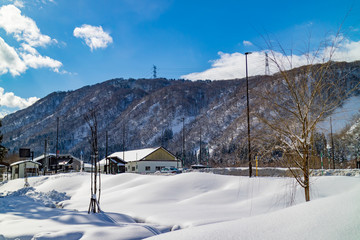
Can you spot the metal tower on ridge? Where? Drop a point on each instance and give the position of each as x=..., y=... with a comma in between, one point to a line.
x=267, y=68
x=154, y=71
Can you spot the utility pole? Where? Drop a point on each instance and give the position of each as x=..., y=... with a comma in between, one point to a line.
x=45, y=158
x=123, y=145
x=57, y=143
x=106, y=154
x=57, y=137
x=200, y=148
x=183, y=143
x=332, y=144
x=248, y=114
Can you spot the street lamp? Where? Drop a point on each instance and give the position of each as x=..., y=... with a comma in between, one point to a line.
x=248, y=114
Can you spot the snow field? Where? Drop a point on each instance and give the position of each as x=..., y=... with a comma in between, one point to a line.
x=200, y=205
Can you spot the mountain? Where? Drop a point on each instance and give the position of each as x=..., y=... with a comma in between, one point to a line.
x=146, y=113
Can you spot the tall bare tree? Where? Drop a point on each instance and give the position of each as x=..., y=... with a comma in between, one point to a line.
x=298, y=100
x=91, y=121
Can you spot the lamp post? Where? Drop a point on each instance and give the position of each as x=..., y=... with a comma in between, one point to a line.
x=248, y=114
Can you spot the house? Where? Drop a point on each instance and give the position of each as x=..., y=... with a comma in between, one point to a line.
x=60, y=163
x=112, y=165
x=148, y=160
x=25, y=168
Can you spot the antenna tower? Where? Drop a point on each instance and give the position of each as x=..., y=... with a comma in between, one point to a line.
x=267, y=68
x=154, y=71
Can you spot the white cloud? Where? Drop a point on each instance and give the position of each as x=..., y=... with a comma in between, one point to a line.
x=33, y=59
x=247, y=43
x=10, y=60
x=348, y=51
x=94, y=37
x=8, y=99
x=46, y=1
x=17, y=60
x=4, y=112
x=232, y=65
x=22, y=27
x=19, y=3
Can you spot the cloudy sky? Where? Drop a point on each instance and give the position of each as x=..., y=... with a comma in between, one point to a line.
x=60, y=45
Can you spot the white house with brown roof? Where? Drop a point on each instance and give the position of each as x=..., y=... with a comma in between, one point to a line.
x=148, y=160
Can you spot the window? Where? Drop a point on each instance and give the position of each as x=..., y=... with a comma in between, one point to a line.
x=147, y=168
x=133, y=169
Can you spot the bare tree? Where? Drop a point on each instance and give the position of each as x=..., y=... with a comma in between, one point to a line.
x=297, y=100
x=91, y=121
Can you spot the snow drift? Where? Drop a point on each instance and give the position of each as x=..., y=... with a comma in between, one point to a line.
x=185, y=206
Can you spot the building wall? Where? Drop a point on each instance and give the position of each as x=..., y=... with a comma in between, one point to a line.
x=18, y=171
x=113, y=168
x=160, y=154
x=150, y=166
x=153, y=162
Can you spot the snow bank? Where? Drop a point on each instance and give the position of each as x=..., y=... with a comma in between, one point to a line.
x=276, y=172
x=336, y=172
x=244, y=171
x=196, y=205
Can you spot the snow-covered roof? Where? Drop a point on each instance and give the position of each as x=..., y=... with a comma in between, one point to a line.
x=134, y=155
x=103, y=162
x=24, y=161
x=42, y=156
x=88, y=165
x=39, y=158
x=63, y=163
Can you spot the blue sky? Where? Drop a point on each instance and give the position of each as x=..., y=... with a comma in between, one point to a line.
x=59, y=45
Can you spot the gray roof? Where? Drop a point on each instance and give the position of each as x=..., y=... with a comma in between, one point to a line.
x=24, y=161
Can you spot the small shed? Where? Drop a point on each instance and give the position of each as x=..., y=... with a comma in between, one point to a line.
x=24, y=168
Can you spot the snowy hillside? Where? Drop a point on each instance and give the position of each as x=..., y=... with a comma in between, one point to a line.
x=146, y=113
x=342, y=116
x=193, y=205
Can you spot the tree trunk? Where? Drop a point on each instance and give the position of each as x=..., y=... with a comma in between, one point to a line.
x=307, y=178
x=307, y=193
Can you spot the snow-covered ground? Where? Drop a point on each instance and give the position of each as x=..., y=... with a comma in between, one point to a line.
x=194, y=205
